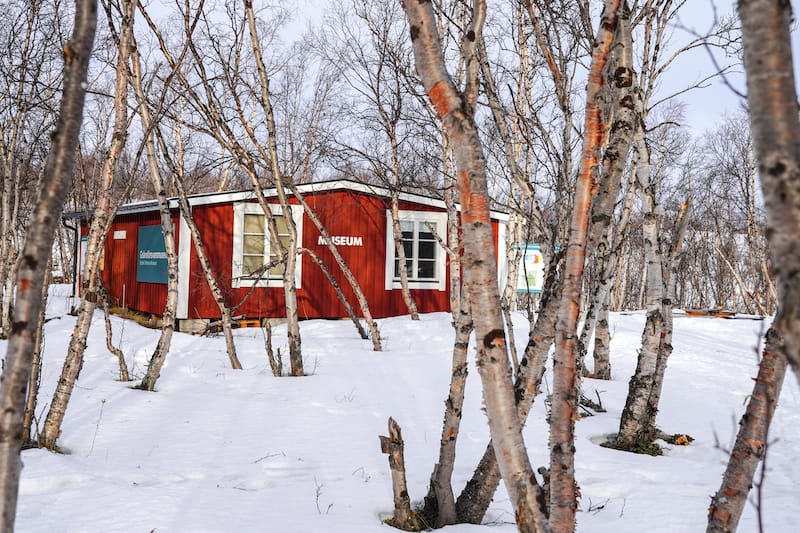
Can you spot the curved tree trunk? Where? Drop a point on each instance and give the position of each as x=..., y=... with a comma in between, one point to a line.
x=474, y=500
x=398, y=232
x=124, y=375
x=440, y=504
x=54, y=188
x=339, y=294
x=290, y=253
x=348, y=274
x=176, y=169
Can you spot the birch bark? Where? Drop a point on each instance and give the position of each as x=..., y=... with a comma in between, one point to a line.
x=751, y=441
x=107, y=205
x=480, y=273
x=167, y=228
x=563, y=489
x=290, y=252
x=766, y=31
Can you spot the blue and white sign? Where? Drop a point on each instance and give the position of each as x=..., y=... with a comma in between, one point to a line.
x=151, y=265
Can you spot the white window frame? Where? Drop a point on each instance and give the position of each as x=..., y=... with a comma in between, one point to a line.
x=253, y=208
x=440, y=219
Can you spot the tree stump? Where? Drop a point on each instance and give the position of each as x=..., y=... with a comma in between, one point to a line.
x=393, y=446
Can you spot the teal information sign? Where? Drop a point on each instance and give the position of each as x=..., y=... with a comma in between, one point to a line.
x=151, y=264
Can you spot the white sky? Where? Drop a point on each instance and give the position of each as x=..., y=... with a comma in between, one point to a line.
x=704, y=107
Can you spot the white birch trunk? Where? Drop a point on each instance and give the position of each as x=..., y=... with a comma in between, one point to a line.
x=167, y=227
x=98, y=229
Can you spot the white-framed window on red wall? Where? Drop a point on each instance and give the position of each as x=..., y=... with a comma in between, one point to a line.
x=252, y=248
x=425, y=258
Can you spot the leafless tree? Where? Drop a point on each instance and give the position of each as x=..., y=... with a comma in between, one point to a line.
x=54, y=188
x=103, y=214
x=456, y=109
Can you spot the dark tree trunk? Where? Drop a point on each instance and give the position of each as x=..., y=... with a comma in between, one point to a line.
x=751, y=442
x=55, y=188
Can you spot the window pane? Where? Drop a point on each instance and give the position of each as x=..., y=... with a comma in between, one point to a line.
x=251, y=263
x=425, y=233
x=280, y=222
x=420, y=246
x=427, y=250
x=254, y=224
x=426, y=269
x=277, y=270
x=253, y=245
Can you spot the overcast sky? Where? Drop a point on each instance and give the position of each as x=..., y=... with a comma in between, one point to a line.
x=704, y=107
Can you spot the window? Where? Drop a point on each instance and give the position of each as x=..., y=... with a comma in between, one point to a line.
x=252, y=247
x=425, y=258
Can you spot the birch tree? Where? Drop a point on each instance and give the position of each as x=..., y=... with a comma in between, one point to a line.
x=54, y=189
x=30, y=83
x=766, y=27
x=176, y=168
x=106, y=207
x=456, y=111
x=563, y=490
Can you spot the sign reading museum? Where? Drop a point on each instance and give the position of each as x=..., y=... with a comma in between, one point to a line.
x=151, y=265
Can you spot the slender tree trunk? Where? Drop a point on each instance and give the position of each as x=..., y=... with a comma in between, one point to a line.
x=670, y=269
x=453, y=238
x=602, y=344
x=611, y=263
x=634, y=427
x=456, y=114
x=290, y=254
x=751, y=442
x=766, y=32
x=603, y=231
x=36, y=365
x=563, y=489
x=396, y=230
x=55, y=188
x=167, y=228
x=176, y=169
x=474, y=500
x=440, y=504
x=124, y=375
x=98, y=229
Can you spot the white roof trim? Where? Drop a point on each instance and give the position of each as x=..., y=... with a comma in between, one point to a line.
x=306, y=188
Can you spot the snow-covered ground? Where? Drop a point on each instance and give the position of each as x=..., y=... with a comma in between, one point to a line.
x=219, y=450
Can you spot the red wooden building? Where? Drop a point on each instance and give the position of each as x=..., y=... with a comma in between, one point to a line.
x=236, y=238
